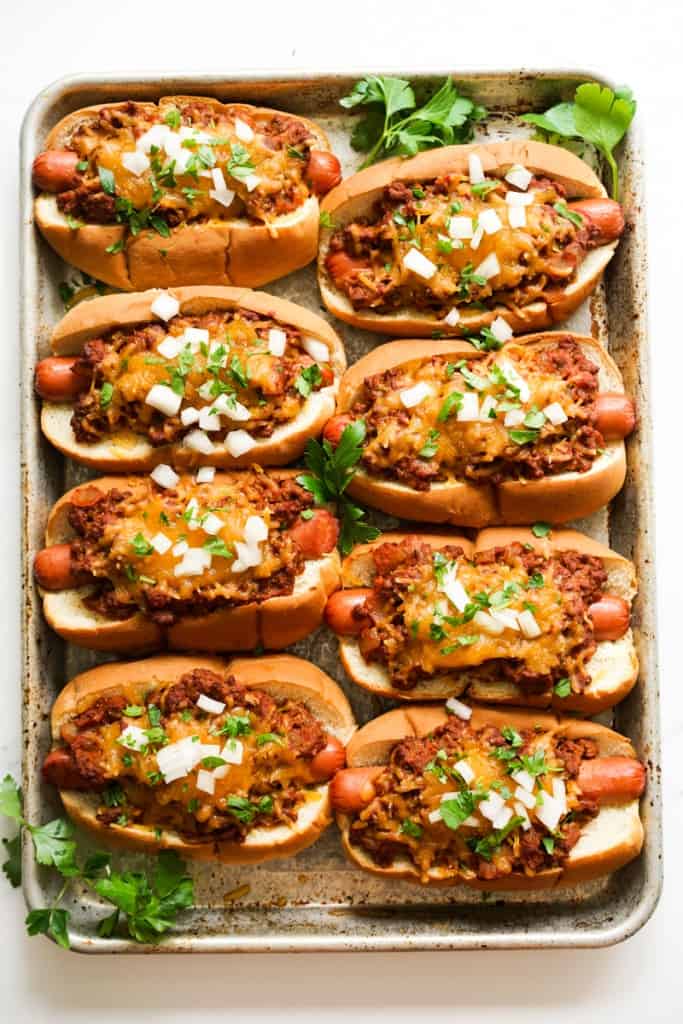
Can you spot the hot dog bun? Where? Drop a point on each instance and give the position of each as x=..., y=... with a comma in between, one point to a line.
x=559, y=499
x=279, y=675
x=355, y=196
x=610, y=840
x=223, y=252
x=613, y=668
x=274, y=623
x=92, y=319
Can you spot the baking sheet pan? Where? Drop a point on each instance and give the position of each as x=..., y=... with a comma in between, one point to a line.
x=317, y=901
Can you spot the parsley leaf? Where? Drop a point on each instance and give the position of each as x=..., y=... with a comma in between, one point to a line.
x=431, y=445
x=107, y=181
x=563, y=687
x=12, y=866
x=456, y=809
x=570, y=215
x=411, y=828
x=309, y=378
x=541, y=529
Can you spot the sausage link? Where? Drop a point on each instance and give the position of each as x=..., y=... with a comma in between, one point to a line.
x=52, y=568
x=335, y=427
x=317, y=535
x=611, y=617
x=329, y=760
x=615, y=415
x=352, y=789
x=604, y=218
x=56, y=381
x=61, y=770
x=343, y=610
x=323, y=171
x=607, y=779
x=55, y=170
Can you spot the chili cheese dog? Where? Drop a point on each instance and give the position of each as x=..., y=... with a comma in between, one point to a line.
x=510, y=236
x=495, y=799
x=508, y=618
x=534, y=431
x=218, y=760
x=230, y=564
x=221, y=376
x=186, y=191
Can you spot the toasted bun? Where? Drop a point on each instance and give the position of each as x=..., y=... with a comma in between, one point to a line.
x=272, y=624
x=610, y=840
x=226, y=252
x=355, y=196
x=121, y=454
x=613, y=668
x=557, y=499
x=279, y=675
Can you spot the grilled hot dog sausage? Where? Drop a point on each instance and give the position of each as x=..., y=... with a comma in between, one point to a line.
x=616, y=415
x=612, y=778
x=56, y=381
x=341, y=610
x=611, y=617
x=328, y=761
x=55, y=170
x=603, y=217
x=53, y=569
x=352, y=789
x=323, y=171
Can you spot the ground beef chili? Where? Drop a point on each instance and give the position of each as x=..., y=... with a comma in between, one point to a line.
x=509, y=438
x=269, y=743
x=542, y=255
x=112, y=548
x=412, y=628
x=407, y=819
x=217, y=361
x=261, y=155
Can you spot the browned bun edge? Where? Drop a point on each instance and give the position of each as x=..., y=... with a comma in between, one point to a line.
x=284, y=675
x=274, y=623
x=618, y=828
x=354, y=196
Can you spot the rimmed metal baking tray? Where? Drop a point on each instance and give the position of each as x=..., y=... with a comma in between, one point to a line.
x=317, y=901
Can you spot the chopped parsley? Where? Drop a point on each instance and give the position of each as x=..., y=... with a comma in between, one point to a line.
x=411, y=828
x=309, y=379
x=431, y=445
x=541, y=529
x=563, y=687
x=106, y=394
x=141, y=546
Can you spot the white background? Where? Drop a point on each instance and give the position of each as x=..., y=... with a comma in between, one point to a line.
x=636, y=42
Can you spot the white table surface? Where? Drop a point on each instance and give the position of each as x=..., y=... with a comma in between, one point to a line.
x=632, y=41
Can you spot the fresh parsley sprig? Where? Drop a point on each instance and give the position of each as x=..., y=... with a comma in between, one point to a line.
x=598, y=116
x=330, y=472
x=395, y=126
x=150, y=908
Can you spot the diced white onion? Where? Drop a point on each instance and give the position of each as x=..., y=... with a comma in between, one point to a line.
x=507, y=616
x=476, y=169
x=164, y=476
x=208, y=419
x=492, y=806
x=450, y=795
x=213, y=707
x=452, y=317
x=560, y=791
x=469, y=408
x=488, y=623
x=221, y=771
x=206, y=390
x=243, y=131
x=460, y=710
x=135, y=162
x=514, y=379
x=472, y=822
x=233, y=751
x=133, y=738
x=528, y=625
x=255, y=530
x=205, y=475
x=524, y=779
x=454, y=590
x=555, y=413
x=488, y=406
x=169, y=347
x=549, y=812
x=165, y=306
x=477, y=237
x=525, y=797
x=164, y=399
x=410, y=397
x=517, y=216
x=206, y=782
x=489, y=267
x=180, y=548
x=194, y=562
x=277, y=341
x=490, y=221
x=514, y=417
x=519, y=198
x=211, y=524
x=227, y=405
x=189, y=416
x=519, y=176
x=460, y=227
x=248, y=555
x=154, y=136
x=317, y=350
x=197, y=441
x=502, y=818
x=521, y=811
x=239, y=442
x=251, y=181
x=419, y=264
x=223, y=196
x=194, y=337
x=218, y=179
x=161, y=543
x=501, y=330
x=434, y=816
x=464, y=771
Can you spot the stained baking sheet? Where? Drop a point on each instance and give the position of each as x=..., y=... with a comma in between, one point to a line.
x=316, y=900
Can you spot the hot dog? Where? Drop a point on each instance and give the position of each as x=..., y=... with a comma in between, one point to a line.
x=186, y=191
x=205, y=375
x=227, y=761
x=460, y=238
x=507, y=618
x=532, y=431
x=140, y=563
x=496, y=799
